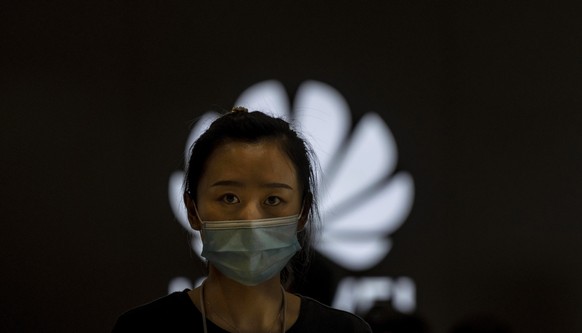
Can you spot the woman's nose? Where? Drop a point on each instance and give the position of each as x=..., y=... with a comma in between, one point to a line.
x=251, y=211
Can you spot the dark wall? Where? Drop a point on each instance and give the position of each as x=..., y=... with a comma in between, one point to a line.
x=483, y=99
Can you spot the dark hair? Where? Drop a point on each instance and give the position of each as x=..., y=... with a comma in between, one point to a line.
x=241, y=125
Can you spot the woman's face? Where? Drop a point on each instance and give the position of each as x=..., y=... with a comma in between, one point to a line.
x=247, y=181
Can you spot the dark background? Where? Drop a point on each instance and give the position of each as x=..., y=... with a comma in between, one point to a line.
x=483, y=98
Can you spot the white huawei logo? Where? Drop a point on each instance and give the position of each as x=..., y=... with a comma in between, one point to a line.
x=362, y=200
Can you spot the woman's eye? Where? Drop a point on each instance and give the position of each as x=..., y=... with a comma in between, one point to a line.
x=230, y=199
x=272, y=201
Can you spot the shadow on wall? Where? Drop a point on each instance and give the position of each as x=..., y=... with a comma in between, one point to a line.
x=481, y=324
x=384, y=319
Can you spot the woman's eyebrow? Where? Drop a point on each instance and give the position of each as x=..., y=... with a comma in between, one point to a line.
x=227, y=183
x=278, y=185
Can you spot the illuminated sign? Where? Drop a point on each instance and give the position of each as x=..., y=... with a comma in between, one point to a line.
x=362, y=198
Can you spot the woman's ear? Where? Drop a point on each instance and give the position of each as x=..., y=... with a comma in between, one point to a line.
x=307, y=202
x=192, y=215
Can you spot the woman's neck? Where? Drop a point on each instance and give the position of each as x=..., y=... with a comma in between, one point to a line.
x=246, y=308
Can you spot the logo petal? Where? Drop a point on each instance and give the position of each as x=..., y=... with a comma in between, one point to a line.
x=324, y=118
x=342, y=250
x=370, y=156
x=360, y=208
x=363, y=226
x=377, y=213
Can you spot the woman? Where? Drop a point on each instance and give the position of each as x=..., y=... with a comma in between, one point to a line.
x=250, y=191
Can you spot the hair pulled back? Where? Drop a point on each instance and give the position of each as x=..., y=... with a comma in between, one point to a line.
x=239, y=125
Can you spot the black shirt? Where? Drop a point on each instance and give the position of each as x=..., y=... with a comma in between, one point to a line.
x=177, y=313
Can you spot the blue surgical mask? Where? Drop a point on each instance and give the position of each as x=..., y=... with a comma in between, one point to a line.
x=250, y=251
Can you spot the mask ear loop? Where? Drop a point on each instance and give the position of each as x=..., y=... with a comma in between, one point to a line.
x=196, y=211
x=197, y=215
x=204, y=260
x=199, y=219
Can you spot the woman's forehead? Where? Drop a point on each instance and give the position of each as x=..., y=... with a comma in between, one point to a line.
x=262, y=161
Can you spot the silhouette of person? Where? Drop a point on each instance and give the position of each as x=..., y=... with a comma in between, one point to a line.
x=250, y=190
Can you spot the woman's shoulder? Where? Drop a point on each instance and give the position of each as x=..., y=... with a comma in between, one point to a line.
x=176, y=301
x=162, y=313
x=317, y=317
